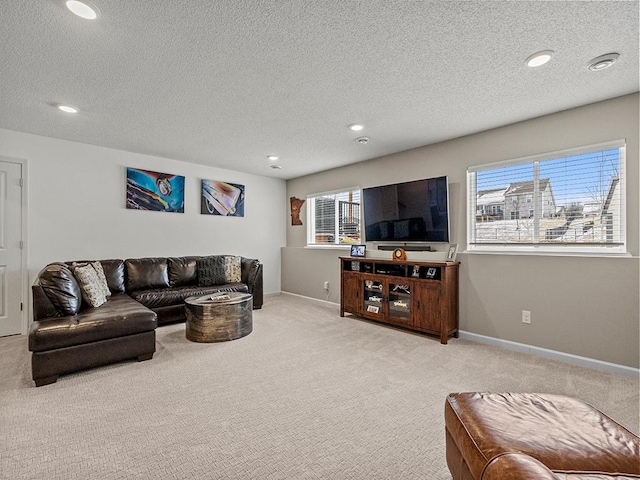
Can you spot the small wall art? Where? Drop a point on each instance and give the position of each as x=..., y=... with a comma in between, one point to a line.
x=222, y=198
x=154, y=191
x=296, y=207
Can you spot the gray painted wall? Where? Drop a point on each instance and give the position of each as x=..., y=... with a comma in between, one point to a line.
x=585, y=306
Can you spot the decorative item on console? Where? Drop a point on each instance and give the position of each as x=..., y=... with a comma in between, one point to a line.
x=452, y=253
x=399, y=254
x=402, y=288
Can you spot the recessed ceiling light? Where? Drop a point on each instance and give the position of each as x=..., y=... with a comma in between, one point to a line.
x=273, y=158
x=603, y=61
x=67, y=108
x=539, y=58
x=82, y=9
x=276, y=167
x=362, y=140
x=356, y=127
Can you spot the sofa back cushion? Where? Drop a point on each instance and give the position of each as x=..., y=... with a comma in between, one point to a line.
x=145, y=273
x=114, y=271
x=61, y=288
x=182, y=271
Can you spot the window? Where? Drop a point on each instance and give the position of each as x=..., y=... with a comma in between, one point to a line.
x=334, y=218
x=571, y=201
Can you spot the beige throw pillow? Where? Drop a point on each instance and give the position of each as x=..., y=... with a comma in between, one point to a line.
x=232, y=269
x=97, y=266
x=90, y=285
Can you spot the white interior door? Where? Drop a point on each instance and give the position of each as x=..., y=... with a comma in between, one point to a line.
x=11, y=274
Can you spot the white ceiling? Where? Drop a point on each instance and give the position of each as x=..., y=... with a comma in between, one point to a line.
x=228, y=82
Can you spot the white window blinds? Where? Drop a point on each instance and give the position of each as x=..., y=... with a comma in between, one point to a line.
x=569, y=200
x=334, y=218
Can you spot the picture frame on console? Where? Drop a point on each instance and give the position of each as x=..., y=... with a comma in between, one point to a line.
x=452, y=253
x=358, y=251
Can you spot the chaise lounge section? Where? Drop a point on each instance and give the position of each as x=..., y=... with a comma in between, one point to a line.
x=68, y=335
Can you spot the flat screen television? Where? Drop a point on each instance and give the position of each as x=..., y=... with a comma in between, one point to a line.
x=416, y=211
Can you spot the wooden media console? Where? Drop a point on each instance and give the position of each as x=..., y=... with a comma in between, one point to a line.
x=421, y=296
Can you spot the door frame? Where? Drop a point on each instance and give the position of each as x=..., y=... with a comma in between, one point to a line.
x=24, y=267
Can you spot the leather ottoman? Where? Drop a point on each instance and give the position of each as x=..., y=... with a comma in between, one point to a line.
x=554, y=434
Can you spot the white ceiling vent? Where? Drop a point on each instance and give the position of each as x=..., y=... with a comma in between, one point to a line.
x=603, y=61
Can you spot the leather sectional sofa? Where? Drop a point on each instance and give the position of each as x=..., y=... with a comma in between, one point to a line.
x=67, y=335
x=513, y=436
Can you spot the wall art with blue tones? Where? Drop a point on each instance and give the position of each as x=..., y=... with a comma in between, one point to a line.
x=155, y=191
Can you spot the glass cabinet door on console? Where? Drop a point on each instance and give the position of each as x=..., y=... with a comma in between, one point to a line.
x=374, y=295
x=400, y=302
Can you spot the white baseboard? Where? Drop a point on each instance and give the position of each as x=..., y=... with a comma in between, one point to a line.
x=553, y=354
x=323, y=302
x=520, y=347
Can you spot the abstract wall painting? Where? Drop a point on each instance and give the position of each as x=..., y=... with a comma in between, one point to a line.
x=154, y=191
x=222, y=198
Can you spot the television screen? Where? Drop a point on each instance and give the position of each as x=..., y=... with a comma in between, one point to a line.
x=415, y=211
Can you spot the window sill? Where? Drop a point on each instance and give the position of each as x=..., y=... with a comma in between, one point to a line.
x=329, y=247
x=533, y=251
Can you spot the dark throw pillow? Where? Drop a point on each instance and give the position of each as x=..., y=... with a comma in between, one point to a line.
x=211, y=271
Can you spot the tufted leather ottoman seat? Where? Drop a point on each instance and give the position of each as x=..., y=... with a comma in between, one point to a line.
x=554, y=437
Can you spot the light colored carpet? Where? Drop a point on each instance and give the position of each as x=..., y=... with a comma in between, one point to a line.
x=307, y=395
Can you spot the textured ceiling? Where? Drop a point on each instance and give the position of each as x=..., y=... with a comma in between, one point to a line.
x=228, y=82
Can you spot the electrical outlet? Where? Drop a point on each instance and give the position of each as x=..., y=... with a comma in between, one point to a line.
x=326, y=285
x=526, y=316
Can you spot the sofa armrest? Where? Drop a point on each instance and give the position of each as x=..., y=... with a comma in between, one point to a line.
x=516, y=466
x=42, y=306
x=252, y=277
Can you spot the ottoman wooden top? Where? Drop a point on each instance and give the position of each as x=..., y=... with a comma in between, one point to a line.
x=218, y=298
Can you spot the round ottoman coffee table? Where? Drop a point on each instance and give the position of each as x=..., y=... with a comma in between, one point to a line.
x=219, y=318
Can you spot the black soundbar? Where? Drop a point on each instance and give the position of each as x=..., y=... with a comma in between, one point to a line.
x=408, y=248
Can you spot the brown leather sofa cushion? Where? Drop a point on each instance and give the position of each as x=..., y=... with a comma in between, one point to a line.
x=145, y=273
x=120, y=316
x=563, y=433
x=182, y=271
x=163, y=297
x=61, y=288
x=114, y=271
